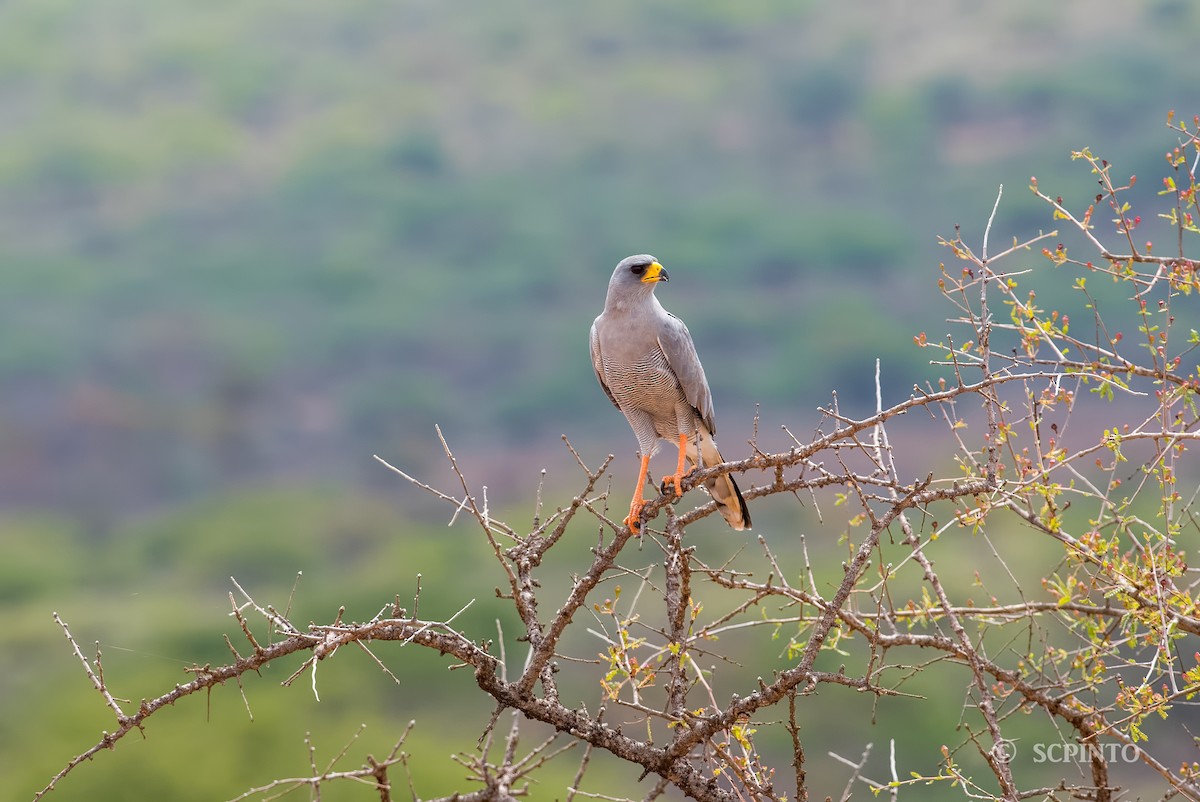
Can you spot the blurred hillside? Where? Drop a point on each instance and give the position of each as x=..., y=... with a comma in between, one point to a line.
x=267, y=239
x=248, y=244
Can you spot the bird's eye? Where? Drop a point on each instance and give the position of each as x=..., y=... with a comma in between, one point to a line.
x=637, y=270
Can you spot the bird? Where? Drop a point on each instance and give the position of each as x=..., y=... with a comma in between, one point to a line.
x=646, y=362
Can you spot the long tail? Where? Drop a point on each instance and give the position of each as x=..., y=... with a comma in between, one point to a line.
x=723, y=489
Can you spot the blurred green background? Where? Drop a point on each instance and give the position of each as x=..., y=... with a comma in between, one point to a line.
x=246, y=245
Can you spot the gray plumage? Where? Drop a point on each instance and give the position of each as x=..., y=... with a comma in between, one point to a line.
x=646, y=362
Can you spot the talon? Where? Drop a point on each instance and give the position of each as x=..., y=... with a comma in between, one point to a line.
x=634, y=519
x=675, y=479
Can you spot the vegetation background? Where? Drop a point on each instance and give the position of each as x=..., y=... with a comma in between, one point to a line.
x=246, y=245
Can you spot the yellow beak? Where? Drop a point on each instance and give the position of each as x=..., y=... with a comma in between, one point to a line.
x=655, y=272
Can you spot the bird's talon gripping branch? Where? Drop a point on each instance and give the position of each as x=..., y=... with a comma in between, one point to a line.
x=634, y=519
x=677, y=477
x=679, y=467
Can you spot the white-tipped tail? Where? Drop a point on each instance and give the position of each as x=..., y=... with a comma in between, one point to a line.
x=723, y=489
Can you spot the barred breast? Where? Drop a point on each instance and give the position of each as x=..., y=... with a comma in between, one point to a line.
x=648, y=384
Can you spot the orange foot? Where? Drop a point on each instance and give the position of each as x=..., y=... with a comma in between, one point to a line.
x=674, y=479
x=677, y=477
x=634, y=519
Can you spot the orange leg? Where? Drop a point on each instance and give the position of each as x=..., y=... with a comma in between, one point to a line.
x=678, y=477
x=633, y=520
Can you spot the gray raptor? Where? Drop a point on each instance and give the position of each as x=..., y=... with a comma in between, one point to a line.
x=647, y=364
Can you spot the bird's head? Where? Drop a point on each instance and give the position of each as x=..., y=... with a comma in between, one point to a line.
x=635, y=276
